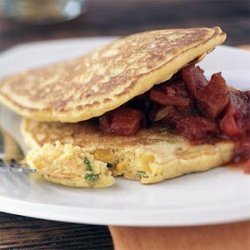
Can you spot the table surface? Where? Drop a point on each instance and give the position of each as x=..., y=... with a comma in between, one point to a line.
x=108, y=18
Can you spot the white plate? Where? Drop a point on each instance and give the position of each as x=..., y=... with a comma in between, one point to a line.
x=216, y=196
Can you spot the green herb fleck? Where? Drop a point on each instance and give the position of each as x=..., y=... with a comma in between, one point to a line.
x=142, y=174
x=88, y=164
x=91, y=176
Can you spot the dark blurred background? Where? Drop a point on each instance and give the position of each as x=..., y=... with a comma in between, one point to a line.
x=120, y=17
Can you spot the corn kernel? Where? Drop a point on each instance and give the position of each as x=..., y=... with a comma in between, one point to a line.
x=121, y=166
x=104, y=155
x=145, y=161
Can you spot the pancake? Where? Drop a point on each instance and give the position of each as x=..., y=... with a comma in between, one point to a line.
x=93, y=84
x=59, y=152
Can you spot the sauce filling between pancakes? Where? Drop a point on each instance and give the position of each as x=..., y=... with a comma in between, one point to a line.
x=189, y=105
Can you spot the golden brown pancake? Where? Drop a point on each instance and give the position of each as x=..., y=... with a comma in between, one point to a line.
x=100, y=81
x=153, y=155
x=79, y=154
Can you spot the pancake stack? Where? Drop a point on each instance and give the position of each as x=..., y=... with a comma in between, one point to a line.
x=60, y=102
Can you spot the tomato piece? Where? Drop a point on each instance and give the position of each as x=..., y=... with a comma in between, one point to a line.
x=228, y=123
x=213, y=98
x=236, y=119
x=194, y=79
x=164, y=99
x=122, y=121
x=126, y=121
x=196, y=128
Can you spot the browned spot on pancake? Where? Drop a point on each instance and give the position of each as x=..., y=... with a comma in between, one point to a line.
x=107, y=100
x=79, y=107
x=60, y=105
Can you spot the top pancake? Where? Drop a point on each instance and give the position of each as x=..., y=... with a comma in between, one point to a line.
x=100, y=81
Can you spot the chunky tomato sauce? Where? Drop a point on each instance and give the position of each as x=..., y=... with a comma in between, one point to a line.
x=190, y=105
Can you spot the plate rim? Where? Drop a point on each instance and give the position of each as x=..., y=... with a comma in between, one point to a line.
x=100, y=216
x=161, y=217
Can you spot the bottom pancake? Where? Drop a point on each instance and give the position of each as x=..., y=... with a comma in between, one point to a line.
x=80, y=155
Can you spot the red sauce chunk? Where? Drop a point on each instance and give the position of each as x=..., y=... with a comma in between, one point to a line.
x=122, y=121
x=201, y=110
x=194, y=127
x=170, y=95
